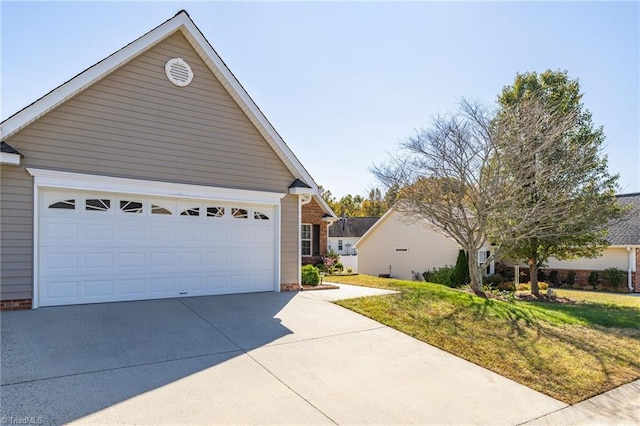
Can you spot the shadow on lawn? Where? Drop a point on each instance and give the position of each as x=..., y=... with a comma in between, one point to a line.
x=529, y=327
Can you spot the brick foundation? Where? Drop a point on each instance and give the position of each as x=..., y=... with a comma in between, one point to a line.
x=15, y=305
x=290, y=287
x=582, y=277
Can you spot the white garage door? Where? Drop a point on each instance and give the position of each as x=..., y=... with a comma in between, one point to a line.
x=101, y=247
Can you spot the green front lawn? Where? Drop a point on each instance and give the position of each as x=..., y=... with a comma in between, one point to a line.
x=567, y=351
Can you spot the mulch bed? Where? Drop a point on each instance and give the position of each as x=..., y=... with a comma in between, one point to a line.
x=319, y=287
x=526, y=297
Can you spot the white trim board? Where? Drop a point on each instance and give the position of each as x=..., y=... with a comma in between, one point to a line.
x=82, y=181
x=9, y=158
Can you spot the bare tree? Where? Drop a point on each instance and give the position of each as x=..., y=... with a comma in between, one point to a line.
x=471, y=176
x=445, y=176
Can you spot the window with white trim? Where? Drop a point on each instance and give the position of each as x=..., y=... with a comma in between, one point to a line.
x=339, y=245
x=305, y=238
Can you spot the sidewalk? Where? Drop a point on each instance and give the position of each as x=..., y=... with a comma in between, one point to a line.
x=620, y=406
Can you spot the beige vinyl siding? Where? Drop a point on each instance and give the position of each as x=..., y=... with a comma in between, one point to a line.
x=612, y=257
x=290, y=259
x=426, y=249
x=135, y=123
x=16, y=233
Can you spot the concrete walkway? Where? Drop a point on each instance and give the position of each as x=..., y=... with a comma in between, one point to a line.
x=264, y=358
x=620, y=406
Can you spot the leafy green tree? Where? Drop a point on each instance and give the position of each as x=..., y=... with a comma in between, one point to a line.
x=460, y=275
x=550, y=151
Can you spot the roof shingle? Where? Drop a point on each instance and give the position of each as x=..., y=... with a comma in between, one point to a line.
x=351, y=227
x=627, y=230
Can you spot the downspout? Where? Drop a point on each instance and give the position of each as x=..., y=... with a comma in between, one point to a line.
x=632, y=264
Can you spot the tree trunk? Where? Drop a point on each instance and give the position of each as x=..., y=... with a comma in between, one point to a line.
x=533, y=276
x=474, y=272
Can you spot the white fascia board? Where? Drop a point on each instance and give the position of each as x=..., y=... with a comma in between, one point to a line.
x=374, y=227
x=301, y=191
x=88, y=77
x=9, y=158
x=87, y=182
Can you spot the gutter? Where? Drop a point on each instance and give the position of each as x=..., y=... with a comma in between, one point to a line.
x=632, y=263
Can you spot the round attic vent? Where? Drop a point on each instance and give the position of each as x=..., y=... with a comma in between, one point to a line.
x=178, y=72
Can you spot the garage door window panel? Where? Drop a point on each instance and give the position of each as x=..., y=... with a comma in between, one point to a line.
x=158, y=209
x=193, y=211
x=97, y=204
x=260, y=216
x=215, y=211
x=238, y=213
x=131, y=206
x=64, y=204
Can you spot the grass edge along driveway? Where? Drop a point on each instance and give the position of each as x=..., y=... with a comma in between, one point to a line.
x=570, y=352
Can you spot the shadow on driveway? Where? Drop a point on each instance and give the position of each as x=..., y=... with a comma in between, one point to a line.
x=62, y=363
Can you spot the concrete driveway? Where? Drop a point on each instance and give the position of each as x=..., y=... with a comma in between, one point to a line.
x=267, y=358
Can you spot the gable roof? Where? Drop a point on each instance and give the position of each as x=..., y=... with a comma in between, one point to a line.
x=183, y=23
x=351, y=227
x=375, y=226
x=627, y=231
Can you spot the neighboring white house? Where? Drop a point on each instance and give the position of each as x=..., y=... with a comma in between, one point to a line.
x=344, y=233
x=399, y=248
x=623, y=253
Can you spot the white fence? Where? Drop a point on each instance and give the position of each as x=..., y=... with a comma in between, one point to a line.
x=349, y=261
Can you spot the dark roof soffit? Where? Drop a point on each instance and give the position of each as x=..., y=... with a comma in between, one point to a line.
x=8, y=149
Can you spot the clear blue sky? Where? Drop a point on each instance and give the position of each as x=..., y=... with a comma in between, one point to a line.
x=344, y=82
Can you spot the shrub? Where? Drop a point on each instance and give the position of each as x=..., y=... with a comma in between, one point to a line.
x=553, y=277
x=495, y=279
x=339, y=266
x=310, y=275
x=460, y=273
x=507, y=286
x=613, y=277
x=440, y=275
x=330, y=259
x=571, y=279
x=349, y=270
x=593, y=279
x=542, y=275
x=527, y=286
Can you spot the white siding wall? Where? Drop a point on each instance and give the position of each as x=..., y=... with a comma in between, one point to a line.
x=425, y=249
x=612, y=257
x=333, y=244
